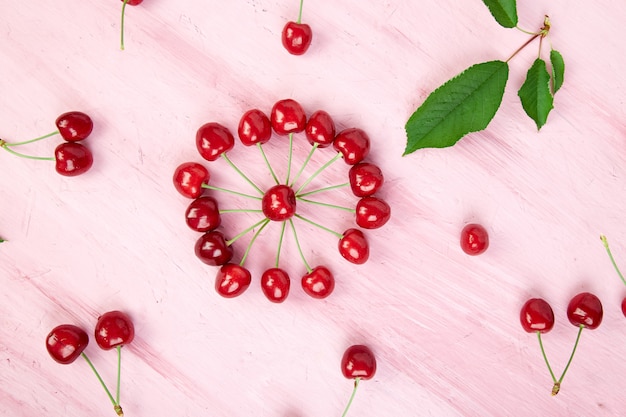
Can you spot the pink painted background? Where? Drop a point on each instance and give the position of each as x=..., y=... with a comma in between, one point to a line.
x=444, y=326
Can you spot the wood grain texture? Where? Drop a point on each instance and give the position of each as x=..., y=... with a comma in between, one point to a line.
x=444, y=326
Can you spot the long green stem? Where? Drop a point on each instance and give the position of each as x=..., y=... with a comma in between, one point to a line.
x=280, y=243
x=7, y=144
x=106, y=389
x=338, y=235
x=306, y=161
x=122, y=25
x=356, y=385
x=248, y=180
x=289, y=158
x=267, y=162
x=21, y=155
x=316, y=173
x=256, y=234
x=319, y=203
x=119, y=372
x=295, y=235
x=545, y=357
x=211, y=187
x=320, y=190
x=257, y=224
x=608, y=250
x=300, y=12
x=557, y=385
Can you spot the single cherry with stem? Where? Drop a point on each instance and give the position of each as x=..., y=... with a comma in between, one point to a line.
x=474, y=239
x=189, y=178
x=203, y=214
x=358, y=363
x=131, y=3
x=353, y=144
x=320, y=129
x=213, y=140
x=72, y=159
x=365, y=179
x=287, y=116
x=297, y=36
x=372, y=212
x=275, y=282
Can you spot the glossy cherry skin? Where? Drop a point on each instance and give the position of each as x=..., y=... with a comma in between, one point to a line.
x=585, y=309
x=353, y=246
x=536, y=315
x=287, y=116
x=212, y=140
x=624, y=307
x=358, y=361
x=354, y=145
x=114, y=328
x=365, y=179
x=372, y=212
x=474, y=239
x=211, y=248
x=74, y=126
x=232, y=280
x=319, y=283
x=72, y=159
x=189, y=177
x=133, y=2
x=320, y=129
x=254, y=127
x=203, y=214
x=66, y=342
x=275, y=284
x=279, y=203
x=297, y=37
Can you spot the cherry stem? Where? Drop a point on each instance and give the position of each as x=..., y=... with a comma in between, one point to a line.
x=523, y=46
x=295, y=235
x=316, y=173
x=256, y=234
x=119, y=372
x=280, y=242
x=306, y=161
x=543, y=32
x=210, y=187
x=122, y=25
x=289, y=158
x=300, y=12
x=356, y=385
x=116, y=405
x=241, y=173
x=557, y=385
x=240, y=211
x=7, y=144
x=545, y=357
x=608, y=250
x=267, y=162
x=231, y=241
x=319, y=203
x=21, y=155
x=526, y=31
x=332, y=187
x=339, y=235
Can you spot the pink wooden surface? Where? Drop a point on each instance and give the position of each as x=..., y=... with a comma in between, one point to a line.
x=444, y=326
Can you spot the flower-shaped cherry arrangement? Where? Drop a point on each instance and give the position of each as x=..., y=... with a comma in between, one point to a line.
x=279, y=203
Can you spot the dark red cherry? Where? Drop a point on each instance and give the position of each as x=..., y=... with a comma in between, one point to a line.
x=279, y=203
x=320, y=129
x=211, y=248
x=72, y=159
x=624, y=307
x=275, y=284
x=203, y=214
x=354, y=145
x=212, y=140
x=585, y=309
x=372, y=212
x=189, y=177
x=358, y=361
x=66, y=342
x=353, y=246
x=474, y=239
x=133, y=2
x=232, y=280
x=254, y=127
x=287, y=117
x=113, y=329
x=297, y=37
x=74, y=126
x=319, y=283
x=536, y=315
x=365, y=179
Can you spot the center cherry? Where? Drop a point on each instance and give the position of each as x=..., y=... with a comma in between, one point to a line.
x=279, y=203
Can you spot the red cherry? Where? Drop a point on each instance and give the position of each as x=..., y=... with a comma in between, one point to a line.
x=254, y=127
x=113, y=329
x=365, y=179
x=74, y=126
x=232, y=280
x=297, y=37
x=474, y=239
x=203, y=214
x=189, y=177
x=353, y=246
x=320, y=129
x=66, y=342
x=279, y=203
x=536, y=315
x=372, y=212
x=275, y=284
x=358, y=361
x=133, y=2
x=72, y=159
x=354, y=145
x=624, y=307
x=319, y=283
x=211, y=248
x=287, y=117
x=585, y=309
x=212, y=140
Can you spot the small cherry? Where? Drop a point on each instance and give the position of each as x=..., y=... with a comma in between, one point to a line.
x=212, y=140
x=354, y=145
x=113, y=329
x=353, y=246
x=297, y=36
x=254, y=127
x=536, y=315
x=358, y=362
x=74, y=126
x=365, y=179
x=130, y=3
x=372, y=212
x=474, y=239
x=319, y=282
x=203, y=214
x=189, y=177
x=320, y=129
x=585, y=309
x=287, y=116
x=279, y=203
x=72, y=159
x=624, y=306
x=66, y=342
x=275, y=284
x=212, y=249
x=232, y=280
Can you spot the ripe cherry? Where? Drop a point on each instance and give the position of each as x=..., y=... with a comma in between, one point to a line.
x=474, y=239
x=358, y=361
x=320, y=129
x=585, y=309
x=189, y=177
x=296, y=37
x=624, y=306
x=254, y=127
x=279, y=203
x=74, y=126
x=287, y=117
x=275, y=284
x=353, y=246
x=203, y=214
x=365, y=179
x=113, y=329
x=66, y=342
x=536, y=315
x=212, y=249
x=232, y=280
x=319, y=282
x=212, y=140
x=72, y=159
x=372, y=212
x=354, y=145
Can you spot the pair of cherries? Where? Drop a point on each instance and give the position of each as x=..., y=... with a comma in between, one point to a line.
x=114, y=329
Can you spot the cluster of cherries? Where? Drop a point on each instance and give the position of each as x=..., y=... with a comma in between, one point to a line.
x=278, y=203
x=114, y=329
x=71, y=157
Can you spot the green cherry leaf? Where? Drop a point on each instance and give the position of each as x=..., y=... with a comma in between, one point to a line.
x=535, y=93
x=558, y=70
x=464, y=104
x=504, y=11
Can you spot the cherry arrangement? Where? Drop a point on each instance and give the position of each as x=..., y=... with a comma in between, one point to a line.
x=71, y=157
x=114, y=329
x=279, y=203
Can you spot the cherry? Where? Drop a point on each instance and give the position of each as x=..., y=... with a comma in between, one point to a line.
x=74, y=126
x=287, y=116
x=624, y=306
x=358, y=361
x=320, y=129
x=537, y=316
x=113, y=329
x=232, y=280
x=319, y=282
x=353, y=246
x=297, y=37
x=203, y=214
x=585, y=309
x=474, y=239
x=189, y=177
x=365, y=179
x=275, y=284
x=254, y=127
x=72, y=159
x=212, y=249
x=212, y=140
x=354, y=145
x=66, y=342
x=372, y=212
x=279, y=203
